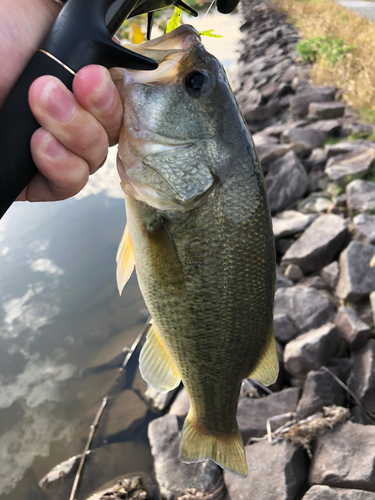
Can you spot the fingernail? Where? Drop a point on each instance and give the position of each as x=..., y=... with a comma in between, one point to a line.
x=54, y=149
x=58, y=104
x=104, y=96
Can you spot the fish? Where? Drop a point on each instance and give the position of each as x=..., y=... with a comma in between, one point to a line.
x=199, y=235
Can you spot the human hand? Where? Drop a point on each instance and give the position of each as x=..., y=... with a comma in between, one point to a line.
x=77, y=128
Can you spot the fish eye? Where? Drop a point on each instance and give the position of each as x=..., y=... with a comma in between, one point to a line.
x=197, y=83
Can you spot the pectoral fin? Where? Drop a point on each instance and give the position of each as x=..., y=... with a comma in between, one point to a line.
x=125, y=260
x=156, y=365
x=267, y=369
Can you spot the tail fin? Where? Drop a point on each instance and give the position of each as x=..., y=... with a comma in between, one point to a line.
x=227, y=451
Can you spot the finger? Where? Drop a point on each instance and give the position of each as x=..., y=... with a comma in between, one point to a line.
x=58, y=111
x=96, y=92
x=62, y=174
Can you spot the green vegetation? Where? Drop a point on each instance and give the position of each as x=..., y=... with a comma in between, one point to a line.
x=326, y=47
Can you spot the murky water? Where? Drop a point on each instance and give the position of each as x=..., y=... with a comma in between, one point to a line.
x=63, y=327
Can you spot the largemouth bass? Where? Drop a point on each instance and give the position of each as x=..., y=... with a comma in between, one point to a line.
x=200, y=236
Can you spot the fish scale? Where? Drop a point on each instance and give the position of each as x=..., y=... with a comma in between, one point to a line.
x=202, y=245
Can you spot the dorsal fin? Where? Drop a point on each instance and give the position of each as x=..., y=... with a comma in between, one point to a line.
x=267, y=369
x=156, y=365
x=125, y=260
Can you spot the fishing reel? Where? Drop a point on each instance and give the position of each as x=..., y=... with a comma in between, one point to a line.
x=81, y=35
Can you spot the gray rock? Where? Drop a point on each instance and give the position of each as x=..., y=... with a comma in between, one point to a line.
x=275, y=473
x=315, y=203
x=181, y=404
x=307, y=307
x=309, y=137
x=173, y=476
x=336, y=459
x=320, y=389
x=291, y=222
x=270, y=153
x=355, y=331
x=136, y=487
x=282, y=245
x=294, y=272
x=342, y=168
x=320, y=492
x=299, y=104
x=319, y=244
x=372, y=302
x=329, y=127
x=284, y=327
x=317, y=159
x=281, y=280
x=264, y=139
x=326, y=110
x=311, y=350
x=316, y=282
x=357, y=276
x=252, y=414
x=331, y=274
x=362, y=378
x=57, y=484
x=260, y=112
x=286, y=182
x=159, y=401
x=343, y=148
x=360, y=196
x=365, y=227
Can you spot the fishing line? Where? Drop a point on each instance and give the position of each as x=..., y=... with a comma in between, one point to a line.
x=208, y=10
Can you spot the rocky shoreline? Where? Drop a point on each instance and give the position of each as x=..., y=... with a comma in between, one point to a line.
x=306, y=437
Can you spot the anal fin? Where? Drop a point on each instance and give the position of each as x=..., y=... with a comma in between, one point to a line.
x=156, y=365
x=125, y=260
x=267, y=369
x=227, y=450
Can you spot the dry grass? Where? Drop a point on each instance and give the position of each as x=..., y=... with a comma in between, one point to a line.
x=355, y=73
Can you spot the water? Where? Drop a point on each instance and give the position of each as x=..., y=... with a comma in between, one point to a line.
x=361, y=7
x=62, y=322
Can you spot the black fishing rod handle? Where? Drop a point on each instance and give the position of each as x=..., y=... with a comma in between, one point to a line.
x=17, y=125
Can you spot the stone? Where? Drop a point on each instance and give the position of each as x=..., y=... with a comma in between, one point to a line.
x=336, y=459
x=362, y=378
x=316, y=282
x=315, y=203
x=301, y=150
x=173, y=476
x=286, y=182
x=372, y=302
x=159, y=401
x=281, y=280
x=317, y=158
x=355, y=331
x=320, y=389
x=360, y=196
x=329, y=127
x=294, y=272
x=357, y=275
x=331, y=274
x=252, y=413
x=343, y=148
x=342, y=168
x=276, y=472
x=311, y=350
x=260, y=112
x=365, y=227
x=284, y=327
x=57, y=484
x=299, y=104
x=326, y=110
x=321, y=492
x=319, y=244
x=309, y=137
x=307, y=307
x=291, y=222
x=181, y=404
x=282, y=245
x=270, y=153
x=262, y=139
